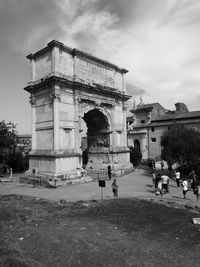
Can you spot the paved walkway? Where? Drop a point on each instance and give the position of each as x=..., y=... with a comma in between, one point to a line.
x=137, y=184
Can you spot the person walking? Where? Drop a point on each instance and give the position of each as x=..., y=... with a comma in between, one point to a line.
x=115, y=188
x=196, y=187
x=177, y=177
x=11, y=174
x=159, y=189
x=109, y=172
x=165, y=183
x=153, y=164
x=192, y=179
x=185, y=188
x=153, y=179
x=162, y=165
x=158, y=178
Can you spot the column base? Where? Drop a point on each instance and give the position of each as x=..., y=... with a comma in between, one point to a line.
x=77, y=176
x=55, y=169
x=99, y=159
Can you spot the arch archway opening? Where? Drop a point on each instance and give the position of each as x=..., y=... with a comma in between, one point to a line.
x=135, y=153
x=97, y=129
x=98, y=137
x=137, y=145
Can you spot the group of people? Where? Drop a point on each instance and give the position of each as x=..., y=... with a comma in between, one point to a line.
x=193, y=183
x=161, y=183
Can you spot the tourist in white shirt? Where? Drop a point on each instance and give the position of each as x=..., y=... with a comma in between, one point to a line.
x=177, y=176
x=165, y=183
x=185, y=188
x=159, y=190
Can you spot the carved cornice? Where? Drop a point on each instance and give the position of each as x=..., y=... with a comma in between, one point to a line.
x=78, y=86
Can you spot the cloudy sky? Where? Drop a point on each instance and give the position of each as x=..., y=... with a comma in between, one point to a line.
x=157, y=41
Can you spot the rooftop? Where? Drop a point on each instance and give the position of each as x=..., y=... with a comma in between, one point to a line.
x=177, y=116
x=145, y=107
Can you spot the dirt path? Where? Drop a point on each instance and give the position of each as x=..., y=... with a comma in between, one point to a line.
x=137, y=184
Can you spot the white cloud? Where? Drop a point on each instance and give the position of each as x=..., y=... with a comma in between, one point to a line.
x=159, y=44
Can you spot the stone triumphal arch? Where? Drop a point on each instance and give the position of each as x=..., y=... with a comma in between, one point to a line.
x=78, y=112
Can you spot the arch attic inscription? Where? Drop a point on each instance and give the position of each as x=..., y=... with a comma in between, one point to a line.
x=78, y=113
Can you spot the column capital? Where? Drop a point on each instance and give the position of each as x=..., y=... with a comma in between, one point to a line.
x=77, y=99
x=55, y=96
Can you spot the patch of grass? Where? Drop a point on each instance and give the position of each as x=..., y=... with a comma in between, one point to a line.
x=119, y=232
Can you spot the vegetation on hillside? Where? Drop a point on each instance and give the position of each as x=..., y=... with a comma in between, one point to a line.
x=181, y=145
x=119, y=232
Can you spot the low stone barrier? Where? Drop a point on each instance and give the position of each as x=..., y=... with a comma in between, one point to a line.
x=74, y=177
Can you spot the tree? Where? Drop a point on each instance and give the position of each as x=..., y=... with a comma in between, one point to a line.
x=181, y=144
x=8, y=140
x=10, y=156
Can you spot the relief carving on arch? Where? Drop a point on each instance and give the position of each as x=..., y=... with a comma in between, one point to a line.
x=105, y=111
x=85, y=107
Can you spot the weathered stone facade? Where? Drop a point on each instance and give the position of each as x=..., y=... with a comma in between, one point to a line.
x=74, y=96
x=149, y=132
x=138, y=126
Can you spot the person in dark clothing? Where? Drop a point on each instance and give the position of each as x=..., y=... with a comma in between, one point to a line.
x=109, y=172
x=192, y=178
x=195, y=187
x=153, y=164
x=162, y=165
x=178, y=177
x=115, y=188
x=158, y=178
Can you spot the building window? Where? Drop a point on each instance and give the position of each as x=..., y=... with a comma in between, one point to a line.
x=153, y=140
x=143, y=121
x=152, y=129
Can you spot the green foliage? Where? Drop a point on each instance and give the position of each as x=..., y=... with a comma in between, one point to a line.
x=7, y=140
x=181, y=144
x=18, y=162
x=9, y=155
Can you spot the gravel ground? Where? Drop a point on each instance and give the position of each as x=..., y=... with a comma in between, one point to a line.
x=137, y=184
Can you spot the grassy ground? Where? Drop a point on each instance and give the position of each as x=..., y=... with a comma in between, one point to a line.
x=118, y=232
